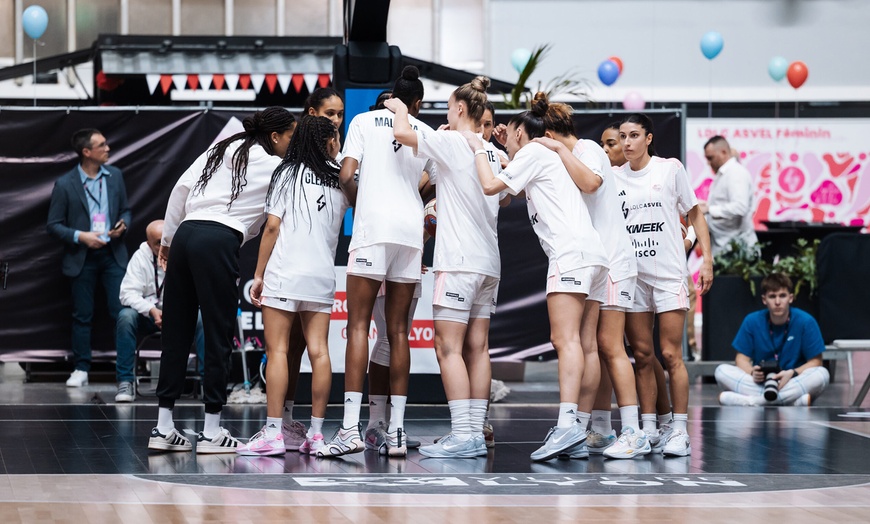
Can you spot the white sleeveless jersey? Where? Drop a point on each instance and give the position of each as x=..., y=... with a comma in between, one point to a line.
x=467, y=218
x=655, y=198
x=556, y=210
x=302, y=264
x=605, y=211
x=388, y=205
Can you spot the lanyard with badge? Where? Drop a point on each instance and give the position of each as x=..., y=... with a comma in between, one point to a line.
x=778, y=350
x=99, y=219
x=157, y=288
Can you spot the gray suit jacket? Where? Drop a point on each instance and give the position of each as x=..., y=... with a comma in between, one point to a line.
x=69, y=212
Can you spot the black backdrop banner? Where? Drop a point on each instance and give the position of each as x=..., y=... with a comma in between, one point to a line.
x=153, y=147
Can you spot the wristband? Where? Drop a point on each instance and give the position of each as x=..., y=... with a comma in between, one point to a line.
x=796, y=372
x=479, y=152
x=690, y=235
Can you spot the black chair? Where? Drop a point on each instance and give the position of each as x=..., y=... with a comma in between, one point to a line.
x=148, y=351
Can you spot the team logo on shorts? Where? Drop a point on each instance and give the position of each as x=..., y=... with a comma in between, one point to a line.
x=571, y=279
x=625, y=294
x=363, y=261
x=455, y=296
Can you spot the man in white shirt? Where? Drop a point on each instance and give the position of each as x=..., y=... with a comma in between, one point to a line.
x=142, y=313
x=730, y=204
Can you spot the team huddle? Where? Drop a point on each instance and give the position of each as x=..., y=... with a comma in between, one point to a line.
x=609, y=220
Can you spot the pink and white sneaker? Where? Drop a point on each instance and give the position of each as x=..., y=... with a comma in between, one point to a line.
x=311, y=445
x=262, y=446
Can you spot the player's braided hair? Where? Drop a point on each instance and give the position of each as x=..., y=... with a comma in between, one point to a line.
x=307, y=150
x=258, y=130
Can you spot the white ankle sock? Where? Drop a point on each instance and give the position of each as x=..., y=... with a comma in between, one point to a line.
x=628, y=416
x=316, y=427
x=460, y=418
x=667, y=418
x=567, y=414
x=352, y=404
x=649, y=422
x=397, y=412
x=212, y=425
x=164, y=421
x=479, y=407
x=601, y=422
x=681, y=421
x=273, y=426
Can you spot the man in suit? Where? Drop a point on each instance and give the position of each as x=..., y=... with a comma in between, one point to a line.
x=89, y=214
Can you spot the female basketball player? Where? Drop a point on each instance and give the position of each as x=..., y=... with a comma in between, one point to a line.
x=467, y=265
x=657, y=194
x=214, y=208
x=325, y=101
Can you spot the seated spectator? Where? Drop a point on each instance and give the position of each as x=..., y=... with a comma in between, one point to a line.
x=142, y=313
x=780, y=343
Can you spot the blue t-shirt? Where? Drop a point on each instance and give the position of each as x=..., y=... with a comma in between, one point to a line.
x=798, y=341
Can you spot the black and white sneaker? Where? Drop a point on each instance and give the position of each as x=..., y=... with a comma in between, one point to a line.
x=172, y=441
x=223, y=442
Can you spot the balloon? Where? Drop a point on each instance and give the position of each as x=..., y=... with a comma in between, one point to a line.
x=618, y=61
x=519, y=58
x=777, y=68
x=35, y=21
x=633, y=101
x=797, y=74
x=608, y=72
x=711, y=44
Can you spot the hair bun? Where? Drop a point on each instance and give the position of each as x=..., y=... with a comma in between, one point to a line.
x=480, y=83
x=540, y=104
x=253, y=123
x=410, y=73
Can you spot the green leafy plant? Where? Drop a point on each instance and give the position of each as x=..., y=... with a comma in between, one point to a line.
x=801, y=267
x=567, y=82
x=743, y=261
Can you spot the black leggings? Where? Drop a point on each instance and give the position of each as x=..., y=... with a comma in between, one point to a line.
x=202, y=275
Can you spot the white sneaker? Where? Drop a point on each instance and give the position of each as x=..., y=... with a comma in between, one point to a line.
x=125, y=392
x=344, y=442
x=730, y=398
x=452, y=447
x=223, y=442
x=630, y=444
x=77, y=379
x=560, y=441
x=804, y=400
x=261, y=445
x=678, y=444
x=659, y=438
x=394, y=444
x=172, y=441
x=578, y=452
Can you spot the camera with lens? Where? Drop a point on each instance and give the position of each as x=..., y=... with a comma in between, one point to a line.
x=771, y=385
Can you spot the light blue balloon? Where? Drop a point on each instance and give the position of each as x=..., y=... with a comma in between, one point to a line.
x=35, y=21
x=777, y=68
x=519, y=58
x=608, y=72
x=711, y=44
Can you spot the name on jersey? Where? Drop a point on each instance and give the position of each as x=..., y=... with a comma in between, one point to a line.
x=649, y=227
x=314, y=180
x=385, y=121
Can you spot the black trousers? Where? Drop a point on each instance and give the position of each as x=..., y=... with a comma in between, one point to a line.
x=202, y=275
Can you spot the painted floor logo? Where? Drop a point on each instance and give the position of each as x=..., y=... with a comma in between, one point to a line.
x=523, y=484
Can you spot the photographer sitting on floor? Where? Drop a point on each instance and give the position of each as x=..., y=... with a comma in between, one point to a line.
x=779, y=353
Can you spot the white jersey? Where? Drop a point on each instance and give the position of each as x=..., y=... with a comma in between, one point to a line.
x=606, y=216
x=655, y=199
x=388, y=205
x=246, y=213
x=467, y=218
x=556, y=210
x=302, y=264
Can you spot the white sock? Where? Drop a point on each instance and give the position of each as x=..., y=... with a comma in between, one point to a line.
x=460, y=418
x=352, y=403
x=397, y=411
x=583, y=418
x=273, y=426
x=479, y=407
x=601, y=422
x=667, y=418
x=628, y=416
x=681, y=421
x=377, y=410
x=316, y=427
x=649, y=422
x=212, y=425
x=567, y=414
x=164, y=421
x=288, y=412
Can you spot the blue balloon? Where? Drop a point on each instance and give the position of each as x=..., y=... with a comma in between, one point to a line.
x=608, y=72
x=519, y=58
x=35, y=21
x=777, y=68
x=711, y=44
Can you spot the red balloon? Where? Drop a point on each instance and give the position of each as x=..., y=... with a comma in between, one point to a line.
x=618, y=61
x=797, y=74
